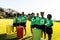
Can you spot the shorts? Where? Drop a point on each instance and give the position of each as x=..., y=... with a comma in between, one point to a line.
x=37, y=26
x=23, y=24
x=16, y=24
x=49, y=30
x=32, y=26
x=43, y=28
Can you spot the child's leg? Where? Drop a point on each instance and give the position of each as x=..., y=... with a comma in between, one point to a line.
x=32, y=28
x=41, y=34
x=25, y=30
x=49, y=33
x=31, y=31
x=49, y=36
x=12, y=29
x=44, y=35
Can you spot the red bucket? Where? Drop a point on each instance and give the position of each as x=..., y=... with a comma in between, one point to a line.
x=20, y=30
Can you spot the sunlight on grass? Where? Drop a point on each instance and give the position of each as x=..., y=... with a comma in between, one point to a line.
x=4, y=26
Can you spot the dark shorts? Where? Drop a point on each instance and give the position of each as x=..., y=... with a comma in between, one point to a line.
x=16, y=24
x=32, y=26
x=23, y=24
x=42, y=27
x=49, y=30
x=37, y=26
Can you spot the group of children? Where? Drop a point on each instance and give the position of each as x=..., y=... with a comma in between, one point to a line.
x=42, y=23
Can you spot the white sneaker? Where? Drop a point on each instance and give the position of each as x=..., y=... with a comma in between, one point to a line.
x=41, y=38
x=44, y=39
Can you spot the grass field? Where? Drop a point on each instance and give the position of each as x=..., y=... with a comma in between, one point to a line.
x=6, y=35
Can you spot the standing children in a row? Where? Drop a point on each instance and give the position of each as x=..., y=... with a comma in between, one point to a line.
x=42, y=24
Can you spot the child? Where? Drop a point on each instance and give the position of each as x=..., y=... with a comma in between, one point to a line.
x=28, y=26
x=32, y=19
x=36, y=35
x=14, y=22
x=42, y=25
x=49, y=25
x=23, y=21
x=19, y=28
x=37, y=21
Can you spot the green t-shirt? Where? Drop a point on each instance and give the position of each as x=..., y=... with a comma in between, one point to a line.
x=23, y=19
x=14, y=20
x=32, y=19
x=42, y=21
x=19, y=19
x=49, y=23
x=37, y=20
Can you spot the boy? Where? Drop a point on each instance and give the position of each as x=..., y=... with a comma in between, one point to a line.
x=18, y=19
x=19, y=27
x=23, y=21
x=42, y=25
x=36, y=30
x=49, y=25
x=32, y=19
x=37, y=21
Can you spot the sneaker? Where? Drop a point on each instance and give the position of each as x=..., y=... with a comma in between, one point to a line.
x=41, y=38
x=44, y=39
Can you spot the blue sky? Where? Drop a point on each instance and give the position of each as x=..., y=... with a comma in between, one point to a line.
x=28, y=6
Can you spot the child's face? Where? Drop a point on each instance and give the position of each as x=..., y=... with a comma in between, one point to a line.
x=37, y=14
x=42, y=14
x=48, y=17
x=33, y=14
x=28, y=17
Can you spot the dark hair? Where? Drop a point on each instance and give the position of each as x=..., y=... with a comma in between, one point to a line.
x=29, y=14
x=37, y=13
x=32, y=12
x=42, y=12
x=18, y=13
x=49, y=15
x=14, y=14
x=22, y=12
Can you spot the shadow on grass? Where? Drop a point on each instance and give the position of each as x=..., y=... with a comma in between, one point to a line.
x=11, y=37
x=4, y=37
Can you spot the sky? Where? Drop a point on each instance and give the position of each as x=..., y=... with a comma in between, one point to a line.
x=29, y=6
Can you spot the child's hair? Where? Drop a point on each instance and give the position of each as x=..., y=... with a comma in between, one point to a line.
x=42, y=12
x=14, y=15
x=29, y=14
x=49, y=15
x=37, y=14
x=32, y=13
x=18, y=14
x=22, y=13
